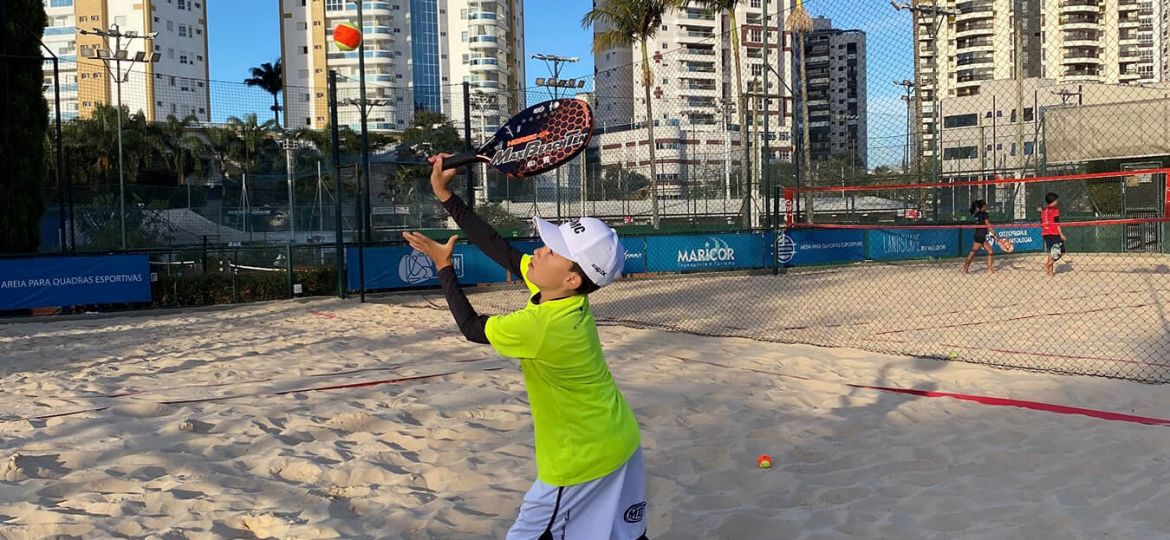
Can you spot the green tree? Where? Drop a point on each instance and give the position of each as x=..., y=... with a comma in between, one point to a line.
x=622, y=24
x=269, y=78
x=429, y=133
x=25, y=117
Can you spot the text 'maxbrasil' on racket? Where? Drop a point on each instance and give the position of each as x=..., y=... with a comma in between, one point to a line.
x=538, y=139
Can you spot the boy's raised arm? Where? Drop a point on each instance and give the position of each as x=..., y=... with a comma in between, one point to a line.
x=480, y=233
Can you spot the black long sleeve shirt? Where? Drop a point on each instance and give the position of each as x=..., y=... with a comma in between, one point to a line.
x=481, y=234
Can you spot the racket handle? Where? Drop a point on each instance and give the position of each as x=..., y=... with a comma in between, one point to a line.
x=459, y=160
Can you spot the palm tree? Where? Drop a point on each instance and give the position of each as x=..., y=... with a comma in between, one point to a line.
x=624, y=23
x=269, y=77
x=251, y=133
x=800, y=23
x=728, y=7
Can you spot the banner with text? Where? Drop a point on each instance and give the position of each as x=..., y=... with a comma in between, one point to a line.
x=73, y=281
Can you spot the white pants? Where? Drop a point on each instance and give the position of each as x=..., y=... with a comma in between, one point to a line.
x=612, y=507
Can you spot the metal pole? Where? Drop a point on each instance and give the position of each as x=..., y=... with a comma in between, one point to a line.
x=764, y=157
x=470, y=189
x=338, y=233
x=121, y=169
x=289, y=159
x=365, y=200
x=61, y=188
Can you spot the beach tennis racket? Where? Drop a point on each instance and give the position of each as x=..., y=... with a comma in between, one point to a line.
x=1057, y=251
x=1006, y=245
x=538, y=139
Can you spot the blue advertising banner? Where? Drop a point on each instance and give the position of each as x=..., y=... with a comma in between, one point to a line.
x=635, y=255
x=1025, y=239
x=705, y=252
x=396, y=267
x=71, y=281
x=802, y=247
x=896, y=244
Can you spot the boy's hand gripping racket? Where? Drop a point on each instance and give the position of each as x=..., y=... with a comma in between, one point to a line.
x=538, y=139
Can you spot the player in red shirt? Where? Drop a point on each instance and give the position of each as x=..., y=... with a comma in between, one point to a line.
x=1050, y=230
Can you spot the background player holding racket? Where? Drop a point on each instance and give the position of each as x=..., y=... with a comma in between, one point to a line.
x=982, y=234
x=591, y=480
x=1050, y=229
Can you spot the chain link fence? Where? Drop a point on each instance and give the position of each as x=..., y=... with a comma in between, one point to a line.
x=219, y=181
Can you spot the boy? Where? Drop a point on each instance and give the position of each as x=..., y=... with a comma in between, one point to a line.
x=590, y=476
x=1050, y=230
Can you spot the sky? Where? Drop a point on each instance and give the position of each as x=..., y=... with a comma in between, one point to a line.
x=245, y=33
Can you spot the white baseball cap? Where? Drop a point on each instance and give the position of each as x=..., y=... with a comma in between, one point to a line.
x=590, y=243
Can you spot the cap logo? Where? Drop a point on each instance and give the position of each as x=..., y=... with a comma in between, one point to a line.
x=577, y=227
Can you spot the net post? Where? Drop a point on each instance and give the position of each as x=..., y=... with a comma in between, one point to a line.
x=789, y=206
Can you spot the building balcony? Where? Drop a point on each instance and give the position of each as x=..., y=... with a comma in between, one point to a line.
x=969, y=59
x=1082, y=74
x=697, y=51
x=699, y=67
x=1132, y=53
x=979, y=9
x=368, y=8
x=1081, y=24
x=1081, y=38
x=692, y=36
x=980, y=44
x=1080, y=6
x=699, y=16
x=972, y=29
x=483, y=42
x=1129, y=22
x=481, y=65
x=486, y=86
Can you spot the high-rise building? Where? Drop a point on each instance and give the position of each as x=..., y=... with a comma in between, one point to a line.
x=695, y=95
x=1086, y=41
x=836, y=91
x=176, y=85
x=418, y=53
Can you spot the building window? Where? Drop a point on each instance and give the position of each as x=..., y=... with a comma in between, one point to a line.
x=961, y=152
x=333, y=5
x=1029, y=148
x=1029, y=114
x=961, y=120
x=170, y=26
x=182, y=30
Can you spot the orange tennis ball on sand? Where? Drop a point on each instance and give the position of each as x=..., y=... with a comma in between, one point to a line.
x=764, y=461
x=347, y=36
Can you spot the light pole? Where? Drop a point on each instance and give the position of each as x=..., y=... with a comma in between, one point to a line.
x=290, y=145
x=483, y=101
x=555, y=64
x=119, y=55
x=909, y=97
x=938, y=12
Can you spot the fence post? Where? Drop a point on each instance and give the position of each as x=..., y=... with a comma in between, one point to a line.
x=236, y=276
x=204, y=254
x=470, y=192
x=288, y=258
x=339, y=234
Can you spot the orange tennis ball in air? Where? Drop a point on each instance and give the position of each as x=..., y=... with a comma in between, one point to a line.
x=347, y=36
x=764, y=461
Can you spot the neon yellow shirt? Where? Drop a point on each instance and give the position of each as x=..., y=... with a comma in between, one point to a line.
x=584, y=427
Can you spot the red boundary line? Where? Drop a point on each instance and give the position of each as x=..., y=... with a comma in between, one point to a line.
x=1030, y=180
x=1024, y=404
x=884, y=226
x=982, y=400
